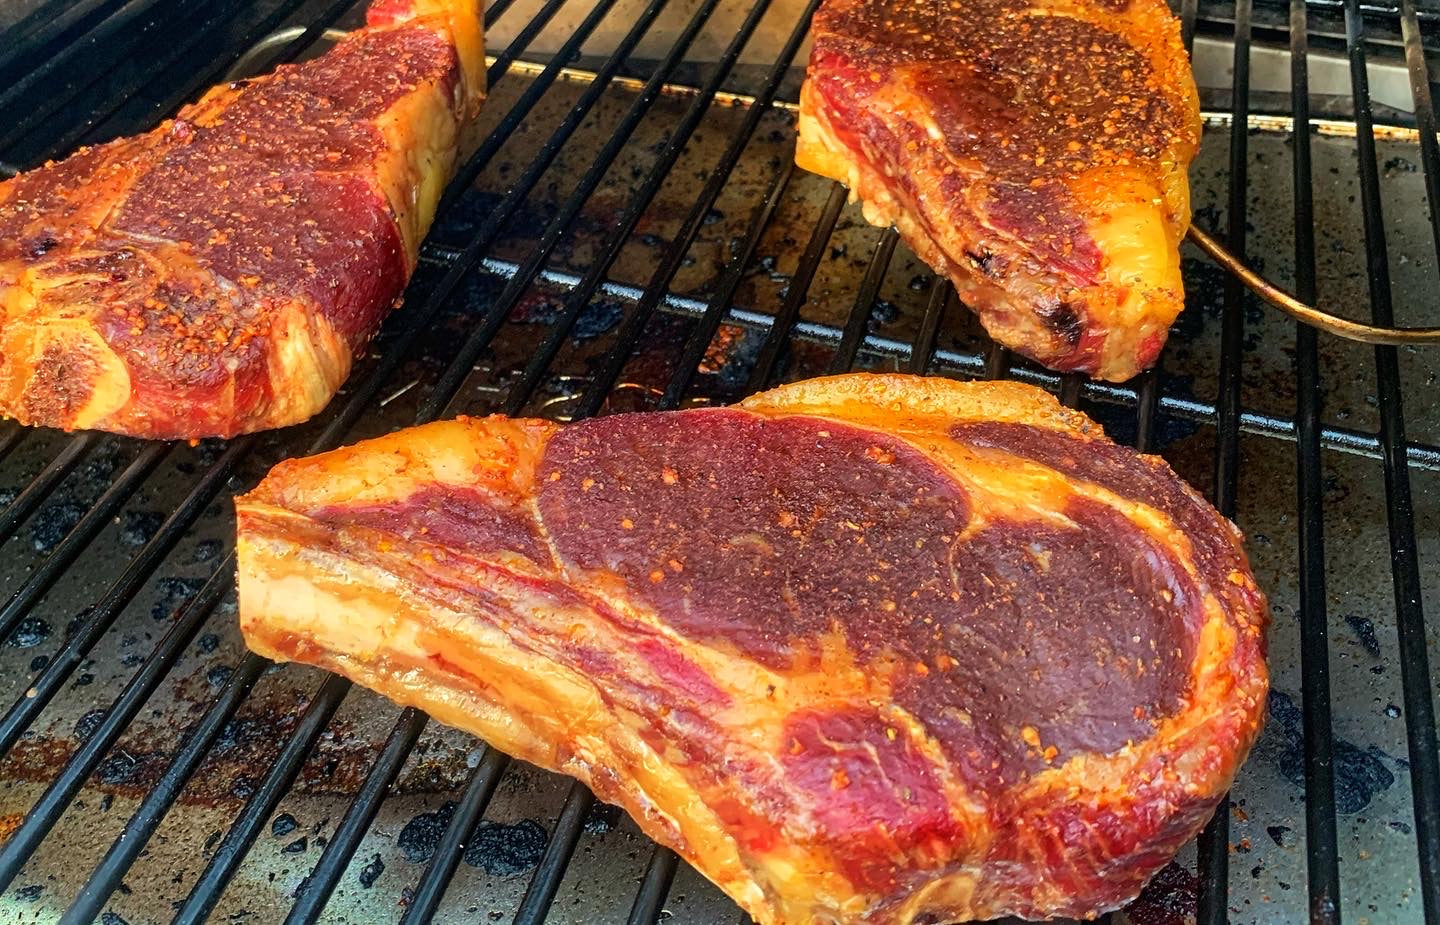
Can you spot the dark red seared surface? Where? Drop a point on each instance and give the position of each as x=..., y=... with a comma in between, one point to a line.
x=1084, y=102
x=765, y=535
x=189, y=240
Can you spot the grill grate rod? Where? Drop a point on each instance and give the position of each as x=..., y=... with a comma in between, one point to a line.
x=545, y=883
x=868, y=291
x=315, y=891
x=1410, y=618
x=925, y=338
x=658, y=286
x=99, y=618
x=115, y=32
x=795, y=296
x=31, y=496
x=1322, y=860
x=1213, y=846
x=74, y=543
x=57, y=797
x=106, y=877
x=451, y=847
x=48, y=29
x=654, y=887
x=973, y=363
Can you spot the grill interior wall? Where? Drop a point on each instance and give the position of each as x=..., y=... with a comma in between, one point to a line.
x=87, y=548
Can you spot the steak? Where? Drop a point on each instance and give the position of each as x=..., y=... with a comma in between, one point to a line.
x=218, y=274
x=866, y=649
x=1033, y=151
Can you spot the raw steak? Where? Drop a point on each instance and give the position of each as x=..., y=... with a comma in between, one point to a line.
x=1033, y=151
x=873, y=649
x=219, y=274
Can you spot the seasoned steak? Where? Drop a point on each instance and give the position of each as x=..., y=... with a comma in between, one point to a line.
x=872, y=649
x=219, y=274
x=1033, y=152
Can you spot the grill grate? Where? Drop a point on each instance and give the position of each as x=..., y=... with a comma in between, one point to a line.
x=518, y=241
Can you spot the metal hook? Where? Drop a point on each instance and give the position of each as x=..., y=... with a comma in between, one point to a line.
x=1316, y=318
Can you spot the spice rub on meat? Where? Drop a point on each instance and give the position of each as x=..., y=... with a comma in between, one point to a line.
x=1032, y=151
x=865, y=649
x=219, y=274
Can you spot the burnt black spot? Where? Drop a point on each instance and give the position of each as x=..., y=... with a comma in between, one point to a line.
x=139, y=526
x=507, y=850
x=30, y=893
x=110, y=918
x=986, y=262
x=86, y=725
x=1168, y=899
x=205, y=550
x=117, y=769
x=283, y=825
x=1364, y=630
x=53, y=522
x=218, y=675
x=1065, y=321
x=173, y=592
x=596, y=319
x=297, y=846
x=38, y=247
x=39, y=662
x=1278, y=834
x=1359, y=773
x=208, y=643
x=371, y=872
x=422, y=834
x=30, y=632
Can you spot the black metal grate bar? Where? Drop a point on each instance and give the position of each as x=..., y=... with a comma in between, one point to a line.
x=545, y=883
x=113, y=33
x=315, y=891
x=1414, y=660
x=451, y=846
x=659, y=283
x=197, y=22
x=654, y=887
x=141, y=826
x=581, y=294
x=799, y=290
x=925, y=338
x=865, y=295
x=1213, y=846
x=74, y=543
x=46, y=30
x=848, y=341
x=243, y=831
x=56, y=798
x=1321, y=851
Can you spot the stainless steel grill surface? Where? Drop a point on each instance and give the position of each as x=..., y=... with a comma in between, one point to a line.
x=631, y=234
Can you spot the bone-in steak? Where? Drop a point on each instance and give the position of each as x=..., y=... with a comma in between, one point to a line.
x=1033, y=151
x=868, y=649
